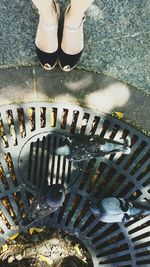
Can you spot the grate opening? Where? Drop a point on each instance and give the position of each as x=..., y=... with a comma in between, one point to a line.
x=121, y=248
x=84, y=122
x=140, y=163
x=73, y=209
x=29, y=135
x=74, y=121
x=83, y=211
x=31, y=114
x=143, y=173
x=94, y=229
x=3, y=178
x=143, y=262
x=107, y=245
x=4, y=220
x=138, y=228
x=142, y=245
x=86, y=174
x=53, y=117
x=87, y=223
x=21, y=119
x=64, y=118
x=126, y=189
x=95, y=123
x=20, y=205
x=11, y=170
x=6, y=202
x=10, y=120
x=42, y=117
x=63, y=208
x=135, y=155
x=118, y=259
x=140, y=236
x=3, y=133
x=114, y=132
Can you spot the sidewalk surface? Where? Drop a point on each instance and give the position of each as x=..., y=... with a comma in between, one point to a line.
x=79, y=87
x=117, y=38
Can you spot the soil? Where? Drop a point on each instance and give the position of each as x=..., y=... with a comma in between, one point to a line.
x=51, y=247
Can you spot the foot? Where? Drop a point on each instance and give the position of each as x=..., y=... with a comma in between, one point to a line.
x=73, y=37
x=47, y=37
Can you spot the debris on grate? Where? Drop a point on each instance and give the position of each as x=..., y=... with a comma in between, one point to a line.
x=52, y=247
x=29, y=134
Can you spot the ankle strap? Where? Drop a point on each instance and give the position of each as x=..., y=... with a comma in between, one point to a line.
x=48, y=26
x=75, y=29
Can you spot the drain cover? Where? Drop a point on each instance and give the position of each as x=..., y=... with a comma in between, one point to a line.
x=37, y=161
x=29, y=133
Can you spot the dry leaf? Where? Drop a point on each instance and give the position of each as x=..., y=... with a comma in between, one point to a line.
x=45, y=259
x=4, y=248
x=37, y=230
x=11, y=259
x=119, y=114
x=77, y=249
x=52, y=119
x=14, y=236
x=18, y=257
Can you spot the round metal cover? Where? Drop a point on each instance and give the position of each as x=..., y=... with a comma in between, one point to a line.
x=28, y=128
x=37, y=161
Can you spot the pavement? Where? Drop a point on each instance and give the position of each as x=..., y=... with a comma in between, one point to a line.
x=79, y=87
x=113, y=74
x=117, y=38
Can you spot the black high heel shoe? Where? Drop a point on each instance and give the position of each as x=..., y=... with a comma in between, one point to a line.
x=68, y=61
x=48, y=60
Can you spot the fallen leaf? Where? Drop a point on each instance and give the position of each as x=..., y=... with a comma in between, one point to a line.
x=5, y=247
x=18, y=257
x=76, y=247
x=11, y=259
x=52, y=119
x=119, y=114
x=14, y=236
x=45, y=259
x=34, y=229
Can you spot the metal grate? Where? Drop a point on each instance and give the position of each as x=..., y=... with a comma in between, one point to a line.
x=28, y=133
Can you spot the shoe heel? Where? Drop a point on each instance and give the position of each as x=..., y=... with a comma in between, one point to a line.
x=67, y=62
x=49, y=60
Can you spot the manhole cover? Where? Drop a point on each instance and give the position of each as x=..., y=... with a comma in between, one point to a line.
x=38, y=160
x=28, y=134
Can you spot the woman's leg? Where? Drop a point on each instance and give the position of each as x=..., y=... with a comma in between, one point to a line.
x=76, y=12
x=46, y=37
x=73, y=38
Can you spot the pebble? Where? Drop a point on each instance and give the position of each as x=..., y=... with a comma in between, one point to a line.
x=18, y=257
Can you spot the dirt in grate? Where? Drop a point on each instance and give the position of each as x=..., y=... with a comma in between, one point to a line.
x=51, y=247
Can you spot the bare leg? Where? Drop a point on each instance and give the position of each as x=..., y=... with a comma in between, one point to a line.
x=46, y=37
x=76, y=12
x=73, y=42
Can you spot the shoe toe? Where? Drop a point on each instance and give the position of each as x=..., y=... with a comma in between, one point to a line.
x=47, y=66
x=47, y=60
x=68, y=62
x=67, y=68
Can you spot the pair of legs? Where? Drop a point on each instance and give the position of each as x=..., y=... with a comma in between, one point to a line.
x=72, y=37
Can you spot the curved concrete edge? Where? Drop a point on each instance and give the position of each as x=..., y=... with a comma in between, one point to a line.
x=87, y=89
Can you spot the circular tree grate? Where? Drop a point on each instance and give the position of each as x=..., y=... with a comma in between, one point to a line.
x=29, y=133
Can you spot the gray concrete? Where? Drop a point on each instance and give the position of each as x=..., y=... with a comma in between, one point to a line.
x=117, y=37
x=16, y=85
x=88, y=89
